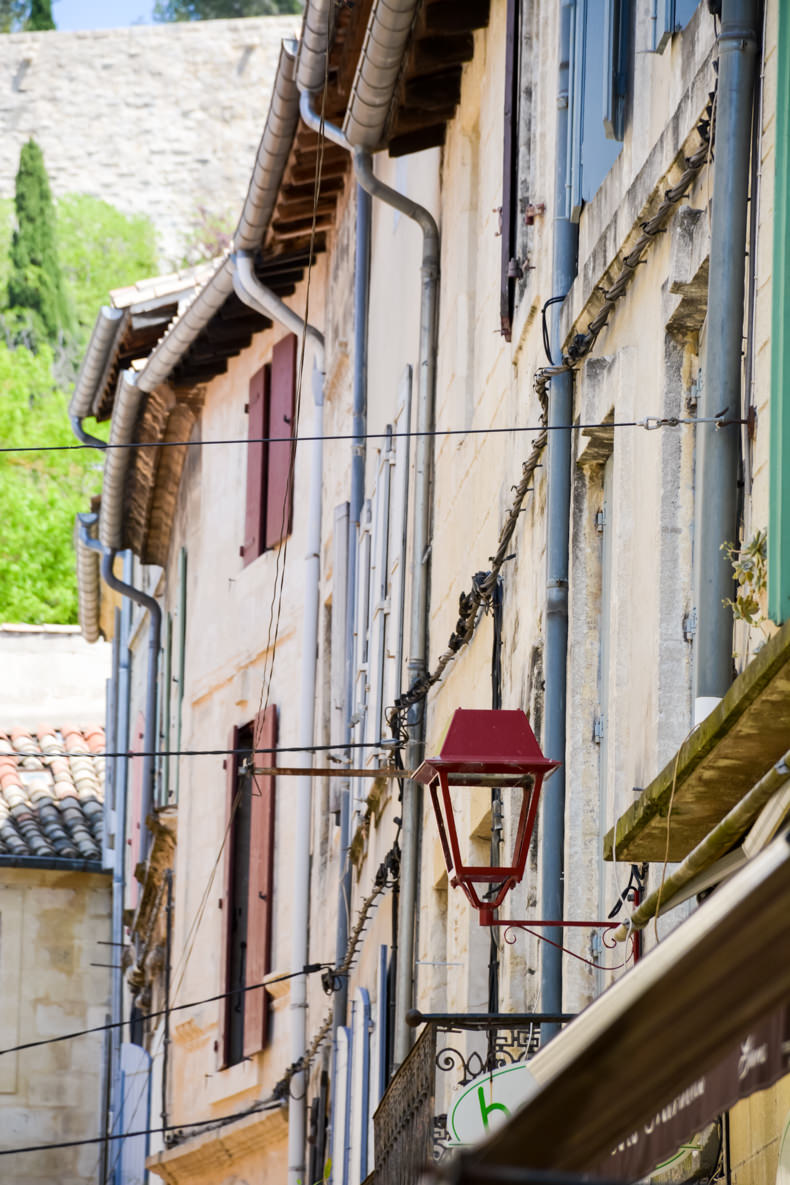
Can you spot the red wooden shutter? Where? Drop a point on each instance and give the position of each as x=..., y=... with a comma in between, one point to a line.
x=256, y=467
x=231, y=771
x=261, y=884
x=281, y=416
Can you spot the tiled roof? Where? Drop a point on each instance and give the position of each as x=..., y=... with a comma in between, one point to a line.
x=51, y=792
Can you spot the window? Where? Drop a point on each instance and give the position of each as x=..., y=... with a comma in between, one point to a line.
x=668, y=17
x=600, y=52
x=248, y=889
x=267, y=517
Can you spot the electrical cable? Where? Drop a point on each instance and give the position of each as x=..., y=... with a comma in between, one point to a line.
x=223, y=1121
x=649, y=422
x=309, y=969
x=43, y=757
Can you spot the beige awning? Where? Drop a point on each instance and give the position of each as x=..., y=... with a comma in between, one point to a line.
x=658, y=1031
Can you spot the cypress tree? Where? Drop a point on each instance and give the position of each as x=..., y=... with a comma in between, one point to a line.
x=35, y=282
x=40, y=19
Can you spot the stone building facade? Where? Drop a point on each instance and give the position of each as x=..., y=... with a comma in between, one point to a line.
x=442, y=484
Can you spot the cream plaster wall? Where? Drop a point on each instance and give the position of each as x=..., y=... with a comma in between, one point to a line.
x=51, y=927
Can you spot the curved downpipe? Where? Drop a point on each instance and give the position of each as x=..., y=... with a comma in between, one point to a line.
x=154, y=642
x=97, y=358
x=418, y=631
x=256, y=296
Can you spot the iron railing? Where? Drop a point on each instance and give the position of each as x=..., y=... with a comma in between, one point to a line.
x=410, y=1124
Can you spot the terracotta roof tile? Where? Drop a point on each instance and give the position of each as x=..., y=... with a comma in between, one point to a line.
x=52, y=792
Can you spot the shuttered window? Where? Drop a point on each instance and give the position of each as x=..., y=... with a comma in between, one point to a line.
x=271, y=413
x=249, y=885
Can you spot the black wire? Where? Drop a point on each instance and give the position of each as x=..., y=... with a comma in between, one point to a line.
x=310, y=969
x=67, y=448
x=206, y=752
x=546, y=338
x=272, y=1105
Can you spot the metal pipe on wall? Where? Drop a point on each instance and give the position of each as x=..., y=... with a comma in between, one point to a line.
x=418, y=632
x=718, y=452
x=152, y=678
x=255, y=295
x=356, y=500
x=558, y=481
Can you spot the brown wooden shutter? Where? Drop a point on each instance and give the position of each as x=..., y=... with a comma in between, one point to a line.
x=231, y=772
x=254, y=517
x=281, y=417
x=261, y=884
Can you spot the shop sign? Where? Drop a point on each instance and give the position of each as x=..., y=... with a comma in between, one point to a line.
x=480, y=1106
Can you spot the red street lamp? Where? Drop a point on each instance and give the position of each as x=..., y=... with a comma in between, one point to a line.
x=483, y=750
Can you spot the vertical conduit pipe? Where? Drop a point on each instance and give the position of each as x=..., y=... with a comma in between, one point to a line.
x=558, y=480
x=154, y=643
x=418, y=632
x=718, y=448
x=252, y=293
x=360, y=398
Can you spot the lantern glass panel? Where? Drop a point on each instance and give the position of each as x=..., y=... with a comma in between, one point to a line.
x=471, y=804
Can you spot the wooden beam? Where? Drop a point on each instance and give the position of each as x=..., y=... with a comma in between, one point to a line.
x=417, y=141
x=432, y=54
x=452, y=16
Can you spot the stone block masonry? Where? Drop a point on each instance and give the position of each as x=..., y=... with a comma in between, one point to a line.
x=159, y=120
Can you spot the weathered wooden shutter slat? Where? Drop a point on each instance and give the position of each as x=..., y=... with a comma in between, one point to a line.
x=261, y=883
x=281, y=418
x=256, y=466
x=509, y=213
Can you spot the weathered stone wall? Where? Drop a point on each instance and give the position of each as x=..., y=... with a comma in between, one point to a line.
x=51, y=928
x=161, y=120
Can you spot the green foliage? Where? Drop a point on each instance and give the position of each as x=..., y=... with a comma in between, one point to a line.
x=100, y=249
x=39, y=492
x=40, y=19
x=13, y=15
x=750, y=568
x=36, y=293
x=211, y=10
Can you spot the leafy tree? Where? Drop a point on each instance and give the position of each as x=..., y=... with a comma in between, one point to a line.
x=40, y=18
x=100, y=249
x=39, y=492
x=210, y=10
x=33, y=15
x=35, y=285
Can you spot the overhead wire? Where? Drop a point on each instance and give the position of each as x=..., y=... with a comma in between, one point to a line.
x=648, y=422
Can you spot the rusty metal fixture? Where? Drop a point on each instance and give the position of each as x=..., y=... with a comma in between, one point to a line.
x=485, y=750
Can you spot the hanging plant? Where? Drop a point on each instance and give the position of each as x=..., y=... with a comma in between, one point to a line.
x=750, y=568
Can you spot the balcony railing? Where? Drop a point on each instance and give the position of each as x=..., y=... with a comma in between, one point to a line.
x=410, y=1124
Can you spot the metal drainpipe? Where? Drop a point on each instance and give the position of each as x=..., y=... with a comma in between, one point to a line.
x=255, y=295
x=154, y=642
x=123, y=621
x=83, y=436
x=358, y=450
x=718, y=448
x=558, y=480
x=418, y=644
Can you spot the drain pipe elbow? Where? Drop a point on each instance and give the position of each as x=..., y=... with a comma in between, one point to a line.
x=85, y=437
x=154, y=642
x=255, y=295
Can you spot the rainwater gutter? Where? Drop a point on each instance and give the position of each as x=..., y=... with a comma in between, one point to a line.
x=249, y=290
x=98, y=357
x=718, y=450
x=418, y=634
x=558, y=482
